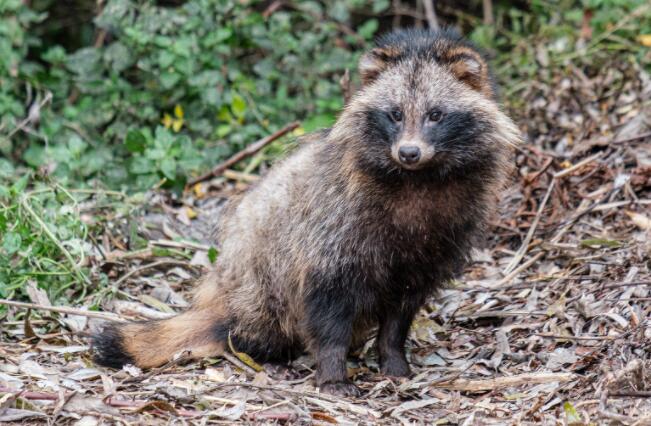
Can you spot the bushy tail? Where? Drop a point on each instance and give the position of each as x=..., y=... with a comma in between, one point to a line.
x=153, y=343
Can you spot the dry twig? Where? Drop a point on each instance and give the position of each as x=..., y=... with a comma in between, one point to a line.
x=246, y=152
x=504, y=382
x=64, y=310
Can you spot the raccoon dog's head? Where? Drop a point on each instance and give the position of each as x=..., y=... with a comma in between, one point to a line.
x=426, y=106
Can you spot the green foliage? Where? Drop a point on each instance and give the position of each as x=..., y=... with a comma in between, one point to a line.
x=553, y=33
x=46, y=235
x=217, y=74
x=42, y=239
x=15, y=42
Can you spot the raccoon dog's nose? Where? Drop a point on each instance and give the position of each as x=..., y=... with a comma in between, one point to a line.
x=409, y=154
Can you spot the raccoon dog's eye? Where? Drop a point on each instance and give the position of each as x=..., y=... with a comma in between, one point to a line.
x=396, y=114
x=435, y=115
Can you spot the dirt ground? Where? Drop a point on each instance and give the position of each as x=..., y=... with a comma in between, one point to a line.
x=549, y=325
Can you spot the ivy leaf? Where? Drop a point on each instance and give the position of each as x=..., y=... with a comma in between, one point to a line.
x=165, y=58
x=380, y=6
x=169, y=79
x=34, y=155
x=238, y=106
x=76, y=145
x=11, y=242
x=84, y=62
x=119, y=56
x=20, y=185
x=368, y=29
x=168, y=167
x=6, y=168
x=164, y=139
x=135, y=141
x=223, y=34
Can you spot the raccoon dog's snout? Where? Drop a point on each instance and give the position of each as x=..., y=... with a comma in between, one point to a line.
x=409, y=154
x=412, y=154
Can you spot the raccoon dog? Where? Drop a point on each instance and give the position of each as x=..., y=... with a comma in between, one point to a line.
x=356, y=228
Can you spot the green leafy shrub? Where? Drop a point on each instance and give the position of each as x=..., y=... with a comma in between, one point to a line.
x=217, y=74
x=37, y=229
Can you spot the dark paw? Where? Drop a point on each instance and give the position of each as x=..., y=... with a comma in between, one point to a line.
x=340, y=389
x=395, y=367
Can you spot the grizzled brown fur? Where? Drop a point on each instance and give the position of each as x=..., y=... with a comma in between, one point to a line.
x=356, y=228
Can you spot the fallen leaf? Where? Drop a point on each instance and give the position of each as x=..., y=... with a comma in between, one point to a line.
x=33, y=369
x=37, y=295
x=214, y=374
x=571, y=416
x=190, y=213
x=645, y=39
x=87, y=421
x=132, y=370
x=85, y=374
x=617, y=318
x=561, y=357
x=323, y=417
x=155, y=303
x=245, y=358
x=76, y=322
x=63, y=349
x=411, y=405
x=230, y=413
x=600, y=242
x=10, y=381
x=640, y=220
x=200, y=258
x=7, y=400
x=14, y=415
x=261, y=378
x=429, y=360
x=157, y=405
x=199, y=191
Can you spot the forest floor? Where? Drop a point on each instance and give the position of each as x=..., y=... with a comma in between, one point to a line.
x=548, y=325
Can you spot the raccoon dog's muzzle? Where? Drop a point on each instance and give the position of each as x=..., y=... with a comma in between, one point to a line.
x=412, y=154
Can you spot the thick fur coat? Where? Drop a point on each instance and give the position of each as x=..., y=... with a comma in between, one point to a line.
x=357, y=227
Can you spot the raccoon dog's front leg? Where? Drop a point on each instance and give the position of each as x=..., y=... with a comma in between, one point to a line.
x=394, y=327
x=329, y=315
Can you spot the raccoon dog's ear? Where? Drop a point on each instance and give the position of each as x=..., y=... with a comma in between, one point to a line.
x=372, y=63
x=469, y=68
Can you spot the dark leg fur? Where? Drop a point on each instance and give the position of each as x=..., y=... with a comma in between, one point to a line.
x=330, y=324
x=394, y=327
x=108, y=348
